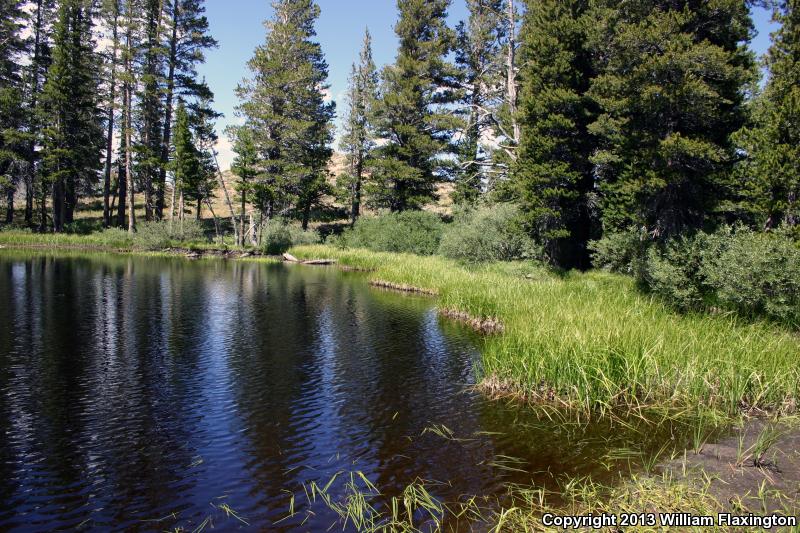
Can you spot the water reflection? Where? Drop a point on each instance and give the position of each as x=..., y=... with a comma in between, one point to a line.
x=137, y=392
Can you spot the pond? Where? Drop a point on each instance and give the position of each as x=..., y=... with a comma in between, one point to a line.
x=148, y=394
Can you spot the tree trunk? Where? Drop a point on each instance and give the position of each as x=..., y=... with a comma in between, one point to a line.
x=58, y=205
x=252, y=232
x=240, y=237
x=36, y=60
x=199, y=207
x=43, y=207
x=511, y=81
x=148, y=193
x=259, y=228
x=115, y=190
x=128, y=161
x=172, y=203
x=167, y=138
x=128, y=97
x=29, y=193
x=306, y=215
x=10, y=205
x=355, y=208
x=110, y=131
x=122, y=193
x=70, y=199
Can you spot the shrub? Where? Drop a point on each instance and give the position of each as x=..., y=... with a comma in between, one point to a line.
x=83, y=226
x=117, y=237
x=756, y=274
x=416, y=232
x=752, y=274
x=279, y=236
x=488, y=234
x=160, y=235
x=622, y=252
x=300, y=237
x=675, y=272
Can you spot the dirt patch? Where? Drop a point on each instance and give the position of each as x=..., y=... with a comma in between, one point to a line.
x=402, y=287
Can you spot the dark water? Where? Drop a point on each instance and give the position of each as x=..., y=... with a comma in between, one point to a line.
x=143, y=394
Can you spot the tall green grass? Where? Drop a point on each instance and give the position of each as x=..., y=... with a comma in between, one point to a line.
x=595, y=342
x=111, y=238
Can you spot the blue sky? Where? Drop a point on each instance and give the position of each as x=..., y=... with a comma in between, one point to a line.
x=238, y=26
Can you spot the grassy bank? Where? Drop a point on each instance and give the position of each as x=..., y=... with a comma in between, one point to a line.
x=596, y=343
x=112, y=240
x=107, y=240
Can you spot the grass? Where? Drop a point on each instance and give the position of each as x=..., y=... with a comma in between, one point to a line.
x=109, y=240
x=595, y=343
x=362, y=507
x=115, y=239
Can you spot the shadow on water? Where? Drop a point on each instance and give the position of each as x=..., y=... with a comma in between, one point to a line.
x=147, y=394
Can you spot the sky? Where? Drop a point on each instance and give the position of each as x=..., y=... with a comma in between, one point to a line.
x=238, y=26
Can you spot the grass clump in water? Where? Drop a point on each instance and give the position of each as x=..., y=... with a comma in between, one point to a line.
x=596, y=343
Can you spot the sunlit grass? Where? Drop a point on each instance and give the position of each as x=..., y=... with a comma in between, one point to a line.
x=594, y=342
x=113, y=239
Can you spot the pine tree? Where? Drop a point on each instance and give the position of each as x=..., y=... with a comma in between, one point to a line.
x=480, y=56
x=12, y=46
x=553, y=175
x=186, y=164
x=245, y=166
x=285, y=109
x=672, y=93
x=413, y=118
x=149, y=145
x=187, y=39
x=358, y=139
x=111, y=12
x=774, y=189
x=41, y=19
x=128, y=76
x=73, y=135
x=202, y=118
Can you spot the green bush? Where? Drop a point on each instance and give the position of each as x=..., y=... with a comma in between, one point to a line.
x=279, y=236
x=84, y=226
x=622, y=252
x=160, y=235
x=756, y=274
x=675, y=272
x=300, y=237
x=752, y=274
x=488, y=234
x=416, y=232
x=116, y=237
